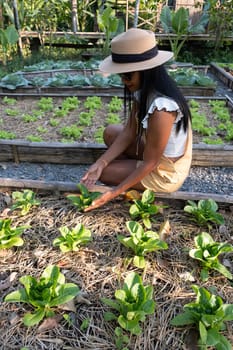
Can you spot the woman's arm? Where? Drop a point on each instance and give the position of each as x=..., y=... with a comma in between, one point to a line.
x=120, y=144
x=158, y=132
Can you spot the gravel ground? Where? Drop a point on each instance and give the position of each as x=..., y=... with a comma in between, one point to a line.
x=215, y=180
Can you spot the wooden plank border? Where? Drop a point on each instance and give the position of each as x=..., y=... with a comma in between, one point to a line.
x=72, y=187
x=222, y=75
x=85, y=153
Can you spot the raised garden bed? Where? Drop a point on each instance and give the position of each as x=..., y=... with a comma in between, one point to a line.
x=51, y=136
x=192, y=82
x=223, y=74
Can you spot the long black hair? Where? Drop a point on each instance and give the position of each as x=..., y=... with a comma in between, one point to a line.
x=156, y=80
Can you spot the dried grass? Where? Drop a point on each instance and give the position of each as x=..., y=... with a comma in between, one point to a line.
x=98, y=269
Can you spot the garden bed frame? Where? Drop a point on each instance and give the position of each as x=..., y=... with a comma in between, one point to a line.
x=93, y=91
x=222, y=75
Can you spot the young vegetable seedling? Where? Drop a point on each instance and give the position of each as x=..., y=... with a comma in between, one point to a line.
x=72, y=239
x=44, y=294
x=84, y=199
x=132, y=303
x=24, y=201
x=9, y=236
x=208, y=314
x=207, y=252
x=141, y=242
x=144, y=208
x=204, y=211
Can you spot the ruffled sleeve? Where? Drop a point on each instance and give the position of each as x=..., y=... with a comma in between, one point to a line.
x=161, y=103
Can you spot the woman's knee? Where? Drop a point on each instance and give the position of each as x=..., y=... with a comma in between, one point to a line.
x=111, y=132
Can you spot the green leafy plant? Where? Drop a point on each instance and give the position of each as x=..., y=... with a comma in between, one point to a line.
x=72, y=239
x=178, y=23
x=24, y=200
x=9, y=236
x=113, y=118
x=60, y=112
x=45, y=104
x=85, y=118
x=93, y=102
x=144, y=208
x=204, y=211
x=98, y=135
x=9, y=101
x=84, y=199
x=13, y=80
x=132, y=303
x=44, y=294
x=70, y=103
x=141, y=242
x=7, y=135
x=53, y=122
x=108, y=23
x=41, y=129
x=207, y=251
x=115, y=104
x=34, y=138
x=28, y=118
x=11, y=112
x=121, y=339
x=191, y=77
x=8, y=37
x=73, y=131
x=208, y=313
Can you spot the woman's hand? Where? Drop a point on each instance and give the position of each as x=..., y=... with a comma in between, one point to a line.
x=104, y=198
x=93, y=174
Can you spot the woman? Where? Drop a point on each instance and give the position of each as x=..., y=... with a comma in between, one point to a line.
x=154, y=149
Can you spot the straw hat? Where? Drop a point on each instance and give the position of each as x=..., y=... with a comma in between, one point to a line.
x=134, y=50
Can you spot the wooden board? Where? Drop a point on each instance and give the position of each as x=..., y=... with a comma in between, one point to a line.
x=222, y=75
x=72, y=187
x=93, y=91
x=81, y=153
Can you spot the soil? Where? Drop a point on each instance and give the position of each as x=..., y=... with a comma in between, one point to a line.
x=99, y=268
x=43, y=129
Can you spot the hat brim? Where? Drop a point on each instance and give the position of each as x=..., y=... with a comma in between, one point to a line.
x=108, y=66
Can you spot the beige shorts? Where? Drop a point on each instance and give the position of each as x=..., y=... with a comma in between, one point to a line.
x=169, y=176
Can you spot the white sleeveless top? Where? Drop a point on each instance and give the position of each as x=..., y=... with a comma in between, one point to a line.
x=177, y=141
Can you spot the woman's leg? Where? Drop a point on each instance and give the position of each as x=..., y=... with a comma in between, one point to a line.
x=110, y=134
x=122, y=167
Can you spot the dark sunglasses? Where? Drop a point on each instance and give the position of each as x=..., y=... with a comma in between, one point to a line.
x=126, y=76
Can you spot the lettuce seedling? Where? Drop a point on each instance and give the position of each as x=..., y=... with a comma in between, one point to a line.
x=141, y=242
x=9, y=236
x=93, y=102
x=132, y=303
x=204, y=211
x=207, y=252
x=144, y=208
x=84, y=199
x=44, y=294
x=208, y=313
x=24, y=201
x=71, y=240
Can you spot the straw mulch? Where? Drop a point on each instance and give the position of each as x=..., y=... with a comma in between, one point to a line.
x=99, y=269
